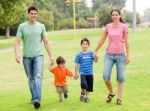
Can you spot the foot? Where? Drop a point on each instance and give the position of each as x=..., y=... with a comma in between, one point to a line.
x=82, y=97
x=36, y=104
x=65, y=95
x=109, y=98
x=119, y=102
x=86, y=100
x=61, y=101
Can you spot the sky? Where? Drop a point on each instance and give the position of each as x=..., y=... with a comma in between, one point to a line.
x=141, y=5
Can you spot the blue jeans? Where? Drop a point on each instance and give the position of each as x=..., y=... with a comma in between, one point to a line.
x=109, y=61
x=34, y=71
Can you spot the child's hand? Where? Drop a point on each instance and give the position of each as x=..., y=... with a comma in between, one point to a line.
x=76, y=76
x=96, y=58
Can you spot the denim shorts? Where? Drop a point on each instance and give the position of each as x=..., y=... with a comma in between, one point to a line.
x=109, y=61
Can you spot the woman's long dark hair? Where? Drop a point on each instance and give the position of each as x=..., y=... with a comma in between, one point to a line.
x=117, y=10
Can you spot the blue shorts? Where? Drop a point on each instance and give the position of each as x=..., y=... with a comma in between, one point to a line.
x=109, y=61
x=87, y=82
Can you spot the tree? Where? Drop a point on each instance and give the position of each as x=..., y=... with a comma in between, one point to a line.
x=104, y=14
x=119, y=4
x=46, y=17
x=13, y=13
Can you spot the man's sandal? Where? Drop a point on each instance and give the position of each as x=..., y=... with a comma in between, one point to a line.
x=109, y=98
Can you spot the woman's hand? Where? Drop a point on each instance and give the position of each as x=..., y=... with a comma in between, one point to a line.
x=127, y=60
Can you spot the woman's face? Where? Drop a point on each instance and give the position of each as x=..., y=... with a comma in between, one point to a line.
x=115, y=16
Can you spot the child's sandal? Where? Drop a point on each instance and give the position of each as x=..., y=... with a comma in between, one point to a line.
x=109, y=98
x=119, y=102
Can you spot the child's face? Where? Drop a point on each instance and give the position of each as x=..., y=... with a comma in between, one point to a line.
x=62, y=65
x=84, y=45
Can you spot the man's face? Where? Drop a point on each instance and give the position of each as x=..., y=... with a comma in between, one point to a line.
x=32, y=15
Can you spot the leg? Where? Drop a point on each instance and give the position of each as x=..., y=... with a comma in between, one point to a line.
x=120, y=65
x=60, y=93
x=84, y=87
x=65, y=91
x=28, y=66
x=60, y=96
x=38, y=74
x=108, y=64
x=90, y=81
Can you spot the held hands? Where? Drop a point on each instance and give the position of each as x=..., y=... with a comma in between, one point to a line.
x=95, y=56
x=52, y=61
x=76, y=76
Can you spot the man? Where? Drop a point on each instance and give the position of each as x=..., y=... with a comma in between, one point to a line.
x=32, y=33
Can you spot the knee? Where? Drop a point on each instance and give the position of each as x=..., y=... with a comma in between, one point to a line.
x=83, y=85
x=106, y=77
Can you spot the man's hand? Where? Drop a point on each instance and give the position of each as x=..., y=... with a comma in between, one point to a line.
x=52, y=61
x=18, y=59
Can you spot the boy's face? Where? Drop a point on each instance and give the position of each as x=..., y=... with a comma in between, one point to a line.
x=84, y=45
x=62, y=65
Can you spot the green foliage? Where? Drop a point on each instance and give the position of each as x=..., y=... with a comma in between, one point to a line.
x=66, y=23
x=13, y=12
x=82, y=23
x=46, y=17
x=104, y=14
x=128, y=17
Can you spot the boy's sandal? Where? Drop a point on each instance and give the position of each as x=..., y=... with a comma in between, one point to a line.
x=119, y=102
x=86, y=100
x=109, y=98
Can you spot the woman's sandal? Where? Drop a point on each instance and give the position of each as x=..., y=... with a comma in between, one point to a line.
x=119, y=102
x=109, y=98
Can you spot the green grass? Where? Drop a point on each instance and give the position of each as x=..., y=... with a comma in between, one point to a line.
x=14, y=92
x=6, y=42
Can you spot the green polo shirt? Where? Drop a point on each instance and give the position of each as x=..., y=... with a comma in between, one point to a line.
x=32, y=36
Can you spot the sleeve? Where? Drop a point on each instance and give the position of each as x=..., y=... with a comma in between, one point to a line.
x=77, y=59
x=53, y=70
x=125, y=29
x=19, y=31
x=68, y=73
x=106, y=29
x=44, y=33
x=92, y=55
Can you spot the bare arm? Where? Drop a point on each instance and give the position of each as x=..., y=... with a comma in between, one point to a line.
x=127, y=47
x=100, y=43
x=48, y=49
x=16, y=49
x=76, y=71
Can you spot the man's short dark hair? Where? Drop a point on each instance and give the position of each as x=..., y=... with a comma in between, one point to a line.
x=60, y=60
x=85, y=39
x=32, y=8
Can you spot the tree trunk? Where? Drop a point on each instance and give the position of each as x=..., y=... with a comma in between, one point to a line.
x=7, y=31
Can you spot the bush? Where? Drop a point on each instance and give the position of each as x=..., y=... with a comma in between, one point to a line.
x=82, y=23
x=66, y=23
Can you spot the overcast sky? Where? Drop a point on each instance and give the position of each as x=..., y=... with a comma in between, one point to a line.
x=141, y=5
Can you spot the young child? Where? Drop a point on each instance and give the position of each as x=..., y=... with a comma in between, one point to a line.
x=60, y=72
x=84, y=63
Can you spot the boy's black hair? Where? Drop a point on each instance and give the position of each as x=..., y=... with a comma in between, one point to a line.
x=60, y=60
x=32, y=8
x=85, y=39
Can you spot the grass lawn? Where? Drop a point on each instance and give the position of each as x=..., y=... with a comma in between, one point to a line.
x=14, y=92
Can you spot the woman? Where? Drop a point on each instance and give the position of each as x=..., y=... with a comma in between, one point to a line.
x=117, y=52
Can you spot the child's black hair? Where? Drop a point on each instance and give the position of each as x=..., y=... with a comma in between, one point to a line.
x=85, y=39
